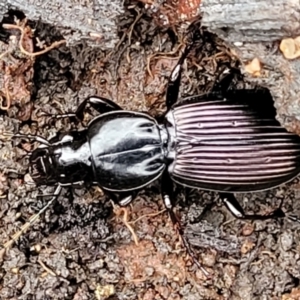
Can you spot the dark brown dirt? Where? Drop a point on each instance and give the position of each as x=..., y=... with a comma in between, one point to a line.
x=81, y=247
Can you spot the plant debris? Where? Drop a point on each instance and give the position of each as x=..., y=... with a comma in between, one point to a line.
x=290, y=48
x=17, y=60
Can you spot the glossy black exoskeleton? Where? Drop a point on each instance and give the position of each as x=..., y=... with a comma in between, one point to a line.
x=228, y=145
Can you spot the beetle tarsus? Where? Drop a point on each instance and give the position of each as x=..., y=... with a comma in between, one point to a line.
x=100, y=104
x=56, y=116
x=185, y=242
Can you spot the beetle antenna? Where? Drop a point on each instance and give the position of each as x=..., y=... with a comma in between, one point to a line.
x=27, y=136
x=33, y=219
x=56, y=116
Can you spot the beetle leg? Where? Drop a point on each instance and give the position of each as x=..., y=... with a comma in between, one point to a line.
x=224, y=81
x=174, y=79
x=27, y=136
x=293, y=218
x=123, y=198
x=126, y=200
x=237, y=211
x=167, y=195
x=100, y=104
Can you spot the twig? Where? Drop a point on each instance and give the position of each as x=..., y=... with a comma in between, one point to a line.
x=8, y=100
x=4, y=54
x=48, y=270
x=32, y=220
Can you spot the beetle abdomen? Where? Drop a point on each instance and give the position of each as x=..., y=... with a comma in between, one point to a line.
x=223, y=145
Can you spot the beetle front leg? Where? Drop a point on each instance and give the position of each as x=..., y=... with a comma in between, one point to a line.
x=237, y=211
x=100, y=104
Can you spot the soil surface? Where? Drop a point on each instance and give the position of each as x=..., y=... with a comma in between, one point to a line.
x=82, y=248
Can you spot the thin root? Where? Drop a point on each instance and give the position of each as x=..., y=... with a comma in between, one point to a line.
x=162, y=55
x=23, y=50
x=2, y=55
x=148, y=215
x=139, y=15
x=8, y=99
x=118, y=211
x=138, y=280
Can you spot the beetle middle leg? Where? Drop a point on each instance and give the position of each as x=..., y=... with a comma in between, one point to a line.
x=122, y=198
x=174, y=79
x=237, y=211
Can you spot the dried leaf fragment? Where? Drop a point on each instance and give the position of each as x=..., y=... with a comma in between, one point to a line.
x=188, y=9
x=290, y=47
x=247, y=229
x=247, y=246
x=254, y=67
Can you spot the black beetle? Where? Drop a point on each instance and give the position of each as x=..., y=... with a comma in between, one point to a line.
x=229, y=145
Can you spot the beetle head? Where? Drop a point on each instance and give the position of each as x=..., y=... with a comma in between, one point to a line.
x=41, y=168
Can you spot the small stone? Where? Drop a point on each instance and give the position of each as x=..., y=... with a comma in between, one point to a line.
x=247, y=246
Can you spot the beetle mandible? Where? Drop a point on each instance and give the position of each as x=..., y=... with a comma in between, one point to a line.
x=228, y=145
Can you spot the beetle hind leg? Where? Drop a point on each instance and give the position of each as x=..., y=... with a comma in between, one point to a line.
x=237, y=211
x=167, y=195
